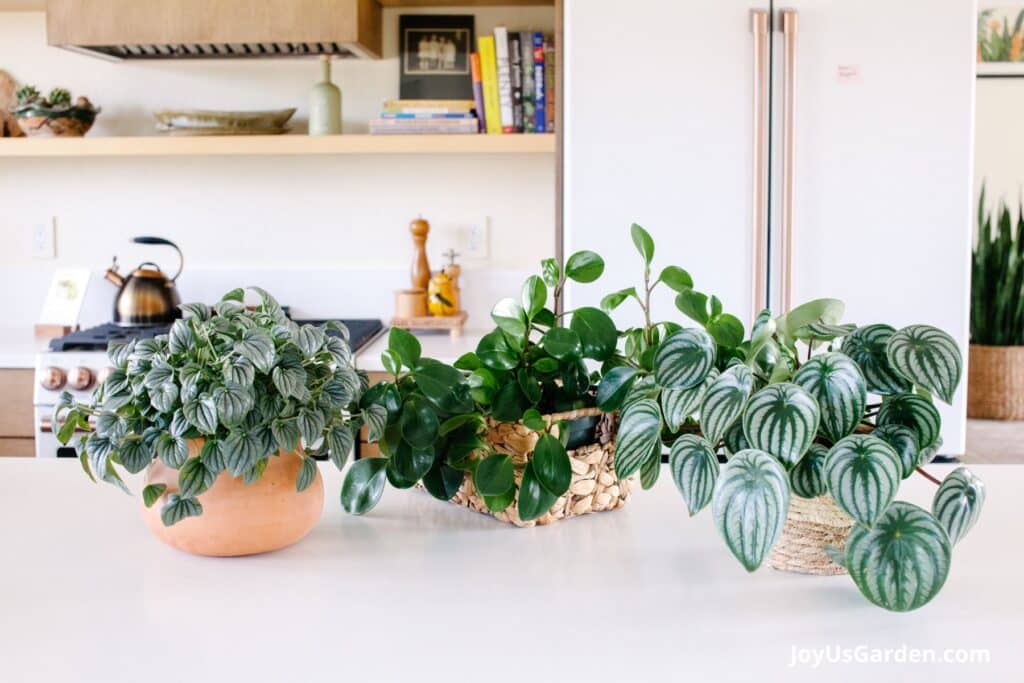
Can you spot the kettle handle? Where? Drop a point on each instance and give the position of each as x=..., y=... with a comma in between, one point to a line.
x=164, y=242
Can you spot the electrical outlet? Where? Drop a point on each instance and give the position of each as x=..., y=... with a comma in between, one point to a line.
x=44, y=240
x=477, y=239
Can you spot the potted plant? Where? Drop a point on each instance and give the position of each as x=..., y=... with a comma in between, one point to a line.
x=512, y=429
x=812, y=468
x=995, y=379
x=54, y=116
x=225, y=413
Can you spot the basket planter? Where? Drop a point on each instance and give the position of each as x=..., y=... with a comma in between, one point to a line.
x=811, y=524
x=995, y=382
x=594, y=487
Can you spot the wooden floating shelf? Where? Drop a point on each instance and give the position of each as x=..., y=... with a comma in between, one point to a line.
x=40, y=5
x=275, y=145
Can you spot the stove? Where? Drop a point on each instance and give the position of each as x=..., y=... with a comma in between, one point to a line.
x=78, y=361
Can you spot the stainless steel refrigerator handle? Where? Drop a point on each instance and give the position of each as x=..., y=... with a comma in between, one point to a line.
x=790, y=26
x=759, y=20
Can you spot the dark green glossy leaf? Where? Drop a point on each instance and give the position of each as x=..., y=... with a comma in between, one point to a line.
x=443, y=385
x=614, y=387
x=406, y=345
x=419, y=422
x=693, y=305
x=509, y=403
x=534, y=296
x=442, y=481
x=495, y=352
x=363, y=485
x=676, y=278
x=178, y=508
x=596, y=332
x=562, y=343
x=551, y=465
x=408, y=465
x=494, y=476
x=510, y=317
x=532, y=419
x=643, y=243
x=534, y=498
x=584, y=266
x=194, y=478
x=152, y=493
x=726, y=330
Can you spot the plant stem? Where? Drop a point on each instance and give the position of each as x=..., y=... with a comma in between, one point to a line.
x=646, y=305
x=927, y=476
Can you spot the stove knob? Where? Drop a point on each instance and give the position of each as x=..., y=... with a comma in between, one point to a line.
x=80, y=378
x=103, y=374
x=52, y=378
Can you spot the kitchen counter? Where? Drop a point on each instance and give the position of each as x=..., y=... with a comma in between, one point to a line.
x=18, y=347
x=439, y=346
x=420, y=590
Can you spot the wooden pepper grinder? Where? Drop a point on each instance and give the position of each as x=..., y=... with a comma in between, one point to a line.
x=420, y=271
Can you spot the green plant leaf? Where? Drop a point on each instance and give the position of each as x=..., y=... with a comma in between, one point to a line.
x=614, y=387
x=532, y=419
x=928, y=454
x=676, y=278
x=233, y=402
x=678, y=404
x=596, y=331
x=500, y=502
x=761, y=332
x=684, y=359
x=443, y=481
x=828, y=311
x=551, y=465
x=307, y=474
x=408, y=465
x=643, y=243
x=311, y=425
x=726, y=330
x=495, y=352
x=904, y=442
x=958, y=502
x=928, y=357
x=152, y=493
x=135, y=455
x=534, y=498
x=178, y=508
x=822, y=332
x=902, y=562
x=694, y=469
x=612, y=301
x=650, y=468
x=551, y=272
x=735, y=440
x=172, y=450
x=584, y=266
x=443, y=385
x=562, y=343
x=867, y=347
x=749, y=503
x=241, y=451
x=257, y=346
x=363, y=485
x=863, y=474
x=509, y=403
x=494, y=475
x=807, y=478
x=915, y=412
x=419, y=423
x=781, y=419
x=723, y=402
x=639, y=433
x=510, y=317
x=160, y=397
x=534, y=296
x=693, y=305
x=289, y=378
x=459, y=421
x=376, y=418
x=194, y=478
x=836, y=383
x=406, y=345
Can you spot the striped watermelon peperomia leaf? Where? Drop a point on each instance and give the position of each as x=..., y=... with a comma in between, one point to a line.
x=866, y=346
x=807, y=478
x=928, y=357
x=639, y=433
x=678, y=404
x=862, y=473
x=836, y=383
x=723, y=403
x=684, y=359
x=958, y=502
x=914, y=411
x=781, y=419
x=694, y=469
x=904, y=442
x=750, y=503
x=902, y=562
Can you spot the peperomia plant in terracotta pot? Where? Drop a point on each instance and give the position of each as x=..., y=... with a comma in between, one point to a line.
x=789, y=408
x=225, y=412
x=512, y=429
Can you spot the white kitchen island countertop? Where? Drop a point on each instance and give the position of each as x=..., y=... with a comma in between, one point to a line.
x=420, y=590
x=18, y=347
x=437, y=345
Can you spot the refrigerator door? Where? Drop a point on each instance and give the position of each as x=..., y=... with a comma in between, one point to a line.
x=882, y=161
x=658, y=130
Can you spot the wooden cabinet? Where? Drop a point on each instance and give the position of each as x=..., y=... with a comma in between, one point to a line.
x=16, y=428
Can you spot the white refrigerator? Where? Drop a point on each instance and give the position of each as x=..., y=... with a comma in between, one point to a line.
x=779, y=153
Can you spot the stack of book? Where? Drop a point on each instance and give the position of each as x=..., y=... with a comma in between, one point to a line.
x=513, y=82
x=426, y=117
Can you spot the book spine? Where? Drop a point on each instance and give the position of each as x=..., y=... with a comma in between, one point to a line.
x=515, y=57
x=504, y=79
x=489, y=76
x=540, y=116
x=446, y=105
x=478, y=90
x=529, y=111
x=426, y=115
x=549, y=76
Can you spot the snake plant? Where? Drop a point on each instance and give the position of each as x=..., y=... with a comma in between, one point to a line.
x=997, y=278
x=789, y=409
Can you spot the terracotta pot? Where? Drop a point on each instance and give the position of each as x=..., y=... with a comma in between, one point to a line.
x=240, y=519
x=995, y=382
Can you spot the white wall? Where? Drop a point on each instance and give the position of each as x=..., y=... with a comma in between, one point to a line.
x=243, y=218
x=999, y=140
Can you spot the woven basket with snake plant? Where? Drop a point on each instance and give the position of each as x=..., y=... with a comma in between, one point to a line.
x=594, y=487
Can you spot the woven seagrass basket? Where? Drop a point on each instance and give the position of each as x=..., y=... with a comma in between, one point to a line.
x=812, y=523
x=995, y=382
x=594, y=486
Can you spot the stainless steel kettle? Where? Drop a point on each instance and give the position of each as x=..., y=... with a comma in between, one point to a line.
x=146, y=296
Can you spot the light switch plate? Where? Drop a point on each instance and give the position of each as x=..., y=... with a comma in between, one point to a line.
x=477, y=239
x=44, y=240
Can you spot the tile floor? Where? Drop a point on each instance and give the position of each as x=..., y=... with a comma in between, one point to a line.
x=994, y=441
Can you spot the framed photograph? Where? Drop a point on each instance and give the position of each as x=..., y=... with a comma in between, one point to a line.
x=1000, y=40
x=434, y=52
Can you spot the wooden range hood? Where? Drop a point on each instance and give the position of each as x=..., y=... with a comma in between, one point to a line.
x=212, y=29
